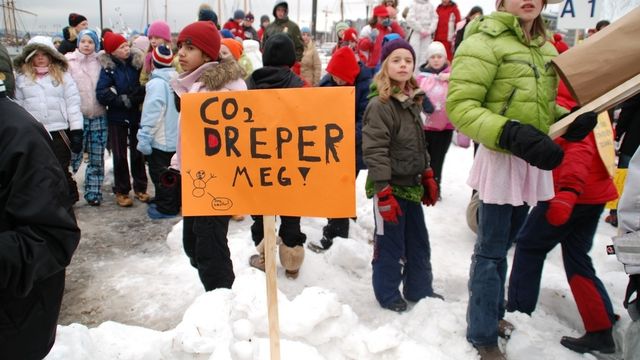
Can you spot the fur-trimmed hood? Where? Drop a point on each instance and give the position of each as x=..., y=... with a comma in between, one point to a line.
x=136, y=58
x=225, y=72
x=56, y=57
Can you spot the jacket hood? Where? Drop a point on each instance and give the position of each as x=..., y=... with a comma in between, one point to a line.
x=136, y=59
x=166, y=74
x=499, y=22
x=56, y=57
x=280, y=3
x=226, y=71
x=274, y=77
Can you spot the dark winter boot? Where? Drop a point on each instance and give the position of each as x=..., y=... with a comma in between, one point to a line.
x=398, y=306
x=505, y=329
x=490, y=353
x=600, y=341
x=325, y=244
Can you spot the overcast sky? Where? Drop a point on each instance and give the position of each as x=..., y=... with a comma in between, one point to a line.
x=53, y=14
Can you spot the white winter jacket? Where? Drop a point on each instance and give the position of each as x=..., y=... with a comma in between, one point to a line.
x=85, y=70
x=56, y=106
x=422, y=16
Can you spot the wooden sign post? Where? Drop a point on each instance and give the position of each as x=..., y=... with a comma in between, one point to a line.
x=265, y=152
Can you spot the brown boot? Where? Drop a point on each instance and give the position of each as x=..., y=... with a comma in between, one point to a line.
x=505, y=329
x=123, y=200
x=257, y=261
x=143, y=196
x=291, y=259
x=490, y=353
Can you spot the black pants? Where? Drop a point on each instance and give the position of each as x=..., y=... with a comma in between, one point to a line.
x=168, y=192
x=205, y=243
x=158, y=162
x=119, y=135
x=437, y=145
x=289, y=230
x=63, y=154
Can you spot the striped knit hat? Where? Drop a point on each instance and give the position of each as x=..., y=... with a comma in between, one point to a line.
x=162, y=57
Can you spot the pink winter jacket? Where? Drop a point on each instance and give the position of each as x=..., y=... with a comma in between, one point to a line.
x=85, y=71
x=436, y=90
x=213, y=76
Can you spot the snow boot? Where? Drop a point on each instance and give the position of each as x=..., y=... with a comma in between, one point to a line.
x=491, y=352
x=257, y=261
x=505, y=329
x=325, y=244
x=291, y=259
x=600, y=341
x=398, y=306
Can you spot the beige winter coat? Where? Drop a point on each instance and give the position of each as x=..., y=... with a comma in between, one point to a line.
x=310, y=66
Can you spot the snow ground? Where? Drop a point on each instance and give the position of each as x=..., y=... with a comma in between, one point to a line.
x=330, y=312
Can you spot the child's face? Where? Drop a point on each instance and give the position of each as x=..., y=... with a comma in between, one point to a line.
x=191, y=57
x=306, y=37
x=41, y=59
x=338, y=81
x=436, y=61
x=400, y=65
x=526, y=10
x=155, y=41
x=265, y=24
x=225, y=53
x=123, y=51
x=86, y=45
x=83, y=25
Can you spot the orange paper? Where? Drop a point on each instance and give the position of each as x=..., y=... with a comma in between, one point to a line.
x=269, y=152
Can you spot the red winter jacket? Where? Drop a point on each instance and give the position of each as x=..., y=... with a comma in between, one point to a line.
x=375, y=49
x=564, y=97
x=583, y=170
x=236, y=29
x=448, y=17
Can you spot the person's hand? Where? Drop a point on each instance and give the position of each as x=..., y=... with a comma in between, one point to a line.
x=373, y=35
x=531, y=145
x=75, y=138
x=581, y=126
x=561, y=207
x=430, y=195
x=144, y=148
x=126, y=102
x=444, y=76
x=388, y=205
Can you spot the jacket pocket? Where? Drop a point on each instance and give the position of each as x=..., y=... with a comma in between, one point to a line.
x=507, y=103
x=405, y=162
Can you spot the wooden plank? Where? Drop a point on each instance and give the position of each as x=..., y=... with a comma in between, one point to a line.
x=269, y=222
x=612, y=98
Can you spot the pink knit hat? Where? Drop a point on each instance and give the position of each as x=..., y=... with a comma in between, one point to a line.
x=160, y=29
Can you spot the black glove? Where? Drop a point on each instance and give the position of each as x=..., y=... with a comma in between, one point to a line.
x=531, y=145
x=124, y=99
x=75, y=137
x=581, y=126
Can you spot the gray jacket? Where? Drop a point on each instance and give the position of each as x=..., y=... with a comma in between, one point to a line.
x=393, y=142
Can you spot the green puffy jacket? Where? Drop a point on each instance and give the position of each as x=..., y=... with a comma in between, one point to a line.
x=498, y=75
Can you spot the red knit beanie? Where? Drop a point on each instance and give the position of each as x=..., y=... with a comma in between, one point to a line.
x=112, y=42
x=380, y=11
x=343, y=64
x=204, y=35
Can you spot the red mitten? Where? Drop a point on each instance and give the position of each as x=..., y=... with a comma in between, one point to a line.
x=388, y=205
x=430, y=185
x=561, y=207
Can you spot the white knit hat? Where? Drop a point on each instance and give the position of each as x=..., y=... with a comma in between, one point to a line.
x=436, y=48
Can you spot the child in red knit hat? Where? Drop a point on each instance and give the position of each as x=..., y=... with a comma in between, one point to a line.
x=206, y=236
x=120, y=91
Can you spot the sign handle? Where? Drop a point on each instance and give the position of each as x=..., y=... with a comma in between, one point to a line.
x=269, y=222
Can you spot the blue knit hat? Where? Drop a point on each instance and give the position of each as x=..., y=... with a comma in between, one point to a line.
x=92, y=34
x=205, y=13
x=305, y=29
x=226, y=34
x=238, y=15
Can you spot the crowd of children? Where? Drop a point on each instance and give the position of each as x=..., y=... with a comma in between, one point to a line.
x=411, y=93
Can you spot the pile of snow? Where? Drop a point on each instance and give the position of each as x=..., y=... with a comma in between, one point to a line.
x=330, y=312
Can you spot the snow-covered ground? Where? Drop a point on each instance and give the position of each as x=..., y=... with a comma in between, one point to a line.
x=330, y=312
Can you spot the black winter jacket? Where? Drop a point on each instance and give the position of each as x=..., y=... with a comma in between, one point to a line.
x=38, y=235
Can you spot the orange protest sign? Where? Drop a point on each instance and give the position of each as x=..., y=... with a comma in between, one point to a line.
x=279, y=152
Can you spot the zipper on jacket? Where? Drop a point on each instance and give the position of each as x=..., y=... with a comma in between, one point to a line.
x=508, y=103
x=533, y=67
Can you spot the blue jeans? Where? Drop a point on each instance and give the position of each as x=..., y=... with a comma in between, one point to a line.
x=498, y=226
x=402, y=255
